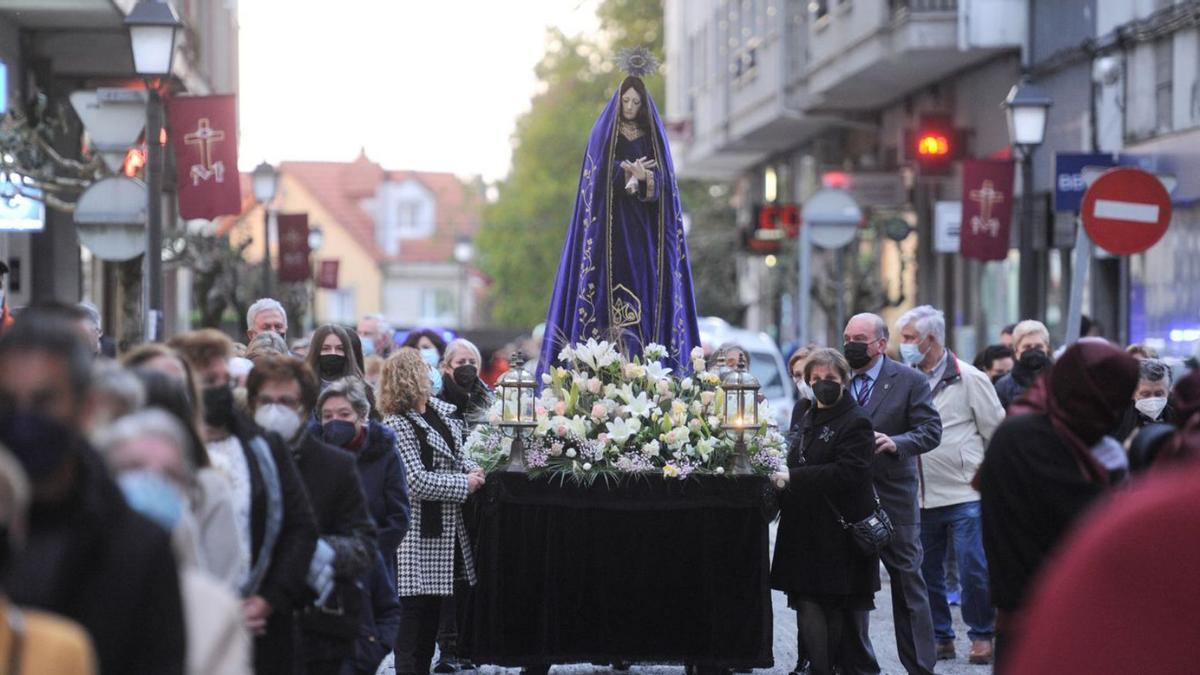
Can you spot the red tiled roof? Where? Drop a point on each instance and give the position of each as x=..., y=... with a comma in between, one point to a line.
x=341, y=188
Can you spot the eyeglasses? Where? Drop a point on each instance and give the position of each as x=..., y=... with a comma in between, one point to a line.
x=286, y=401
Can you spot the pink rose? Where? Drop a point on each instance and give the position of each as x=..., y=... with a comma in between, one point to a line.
x=598, y=410
x=562, y=430
x=594, y=385
x=560, y=408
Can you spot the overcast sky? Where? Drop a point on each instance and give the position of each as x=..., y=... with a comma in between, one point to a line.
x=421, y=84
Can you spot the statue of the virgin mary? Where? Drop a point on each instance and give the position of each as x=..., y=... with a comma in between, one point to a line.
x=624, y=274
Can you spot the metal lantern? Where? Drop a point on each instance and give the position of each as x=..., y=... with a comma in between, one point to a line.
x=517, y=390
x=741, y=411
x=741, y=398
x=153, y=28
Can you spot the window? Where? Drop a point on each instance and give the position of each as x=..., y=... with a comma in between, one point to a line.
x=437, y=304
x=340, y=306
x=1164, y=73
x=408, y=215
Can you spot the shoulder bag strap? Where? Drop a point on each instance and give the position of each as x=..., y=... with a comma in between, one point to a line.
x=16, y=626
x=274, y=525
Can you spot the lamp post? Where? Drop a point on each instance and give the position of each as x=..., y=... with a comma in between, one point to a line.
x=517, y=390
x=153, y=27
x=265, y=180
x=315, y=238
x=1026, y=108
x=464, y=250
x=740, y=388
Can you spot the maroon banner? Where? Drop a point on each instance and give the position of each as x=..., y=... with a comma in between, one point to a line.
x=986, y=208
x=327, y=277
x=293, y=247
x=204, y=136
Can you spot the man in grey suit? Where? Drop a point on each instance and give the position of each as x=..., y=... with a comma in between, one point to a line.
x=898, y=401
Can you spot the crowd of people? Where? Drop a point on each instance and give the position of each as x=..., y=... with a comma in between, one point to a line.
x=984, y=472
x=209, y=507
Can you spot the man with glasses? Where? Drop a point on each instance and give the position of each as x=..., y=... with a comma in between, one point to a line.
x=281, y=391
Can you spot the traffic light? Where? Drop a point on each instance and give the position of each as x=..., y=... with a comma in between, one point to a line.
x=935, y=144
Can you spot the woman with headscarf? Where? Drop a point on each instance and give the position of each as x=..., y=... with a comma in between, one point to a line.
x=1046, y=465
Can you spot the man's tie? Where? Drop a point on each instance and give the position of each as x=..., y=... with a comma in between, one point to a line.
x=864, y=390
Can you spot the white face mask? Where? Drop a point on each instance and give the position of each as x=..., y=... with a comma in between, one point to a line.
x=278, y=418
x=1151, y=407
x=806, y=391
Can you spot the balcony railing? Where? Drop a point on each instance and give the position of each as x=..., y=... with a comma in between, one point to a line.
x=914, y=6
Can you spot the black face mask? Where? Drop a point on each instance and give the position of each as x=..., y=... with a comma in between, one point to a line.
x=465, y=376
x=218, y=406
x=856, y=355
x=1034, y=360
x=828, y=392
x=39, y=442
x=332, y=366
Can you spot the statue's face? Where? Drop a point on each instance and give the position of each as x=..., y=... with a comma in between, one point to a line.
x=631, y=104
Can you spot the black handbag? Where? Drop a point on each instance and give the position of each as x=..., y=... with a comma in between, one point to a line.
x=871, y=534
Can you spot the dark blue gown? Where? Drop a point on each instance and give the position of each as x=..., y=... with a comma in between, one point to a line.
x=624, y=274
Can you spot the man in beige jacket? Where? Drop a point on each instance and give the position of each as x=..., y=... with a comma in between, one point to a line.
x=970, y=411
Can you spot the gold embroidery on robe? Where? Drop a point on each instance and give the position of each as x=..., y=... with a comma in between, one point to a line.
x=626, y=309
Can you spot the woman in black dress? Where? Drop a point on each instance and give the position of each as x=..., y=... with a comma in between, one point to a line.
x=816, y=563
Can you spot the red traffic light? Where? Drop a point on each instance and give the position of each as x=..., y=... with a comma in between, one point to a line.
x=933, y=145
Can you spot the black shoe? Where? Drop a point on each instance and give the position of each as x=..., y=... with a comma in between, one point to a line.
x=535, y=670
x=621, y=666
x=445, y=665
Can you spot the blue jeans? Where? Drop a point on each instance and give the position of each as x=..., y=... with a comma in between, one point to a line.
x=963, y=523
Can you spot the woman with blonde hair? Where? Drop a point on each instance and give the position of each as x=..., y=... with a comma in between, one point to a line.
x=435, y=554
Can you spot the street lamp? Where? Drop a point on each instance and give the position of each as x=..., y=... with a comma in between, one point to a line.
x=464, y=250
x=153, y=27
x=265, y=181
x=315, y=238
x=1026, y=108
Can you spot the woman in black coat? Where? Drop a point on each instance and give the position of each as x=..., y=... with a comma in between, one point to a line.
x=816, y=563
x=343, y=412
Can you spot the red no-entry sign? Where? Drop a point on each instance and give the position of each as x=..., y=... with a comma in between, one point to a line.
x=1126, y=210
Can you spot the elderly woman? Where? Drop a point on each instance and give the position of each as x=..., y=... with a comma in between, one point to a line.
x=462, y=387
x=343, y=412
x=1151, y=399
x=1044, y=469
x=825, y=576
x=150, y=458
x=436, y=552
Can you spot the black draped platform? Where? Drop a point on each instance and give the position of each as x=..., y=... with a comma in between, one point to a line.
x=649, y=570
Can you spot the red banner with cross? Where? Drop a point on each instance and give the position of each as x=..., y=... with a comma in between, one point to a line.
x=204, y=137
x=293, y=247
x=327, y=277
x=986, y=208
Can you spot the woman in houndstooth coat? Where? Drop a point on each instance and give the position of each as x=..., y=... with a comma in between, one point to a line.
x=435, y=554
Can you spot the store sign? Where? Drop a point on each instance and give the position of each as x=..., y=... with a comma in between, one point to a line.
x=20, y=211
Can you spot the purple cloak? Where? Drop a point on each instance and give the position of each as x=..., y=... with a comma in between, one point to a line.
x=624, y=273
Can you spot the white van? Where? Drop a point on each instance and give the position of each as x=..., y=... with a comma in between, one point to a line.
x=766, y=363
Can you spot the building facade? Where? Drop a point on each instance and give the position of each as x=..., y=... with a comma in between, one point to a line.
x=783, y=97
x=402, y=240
x=48, y=51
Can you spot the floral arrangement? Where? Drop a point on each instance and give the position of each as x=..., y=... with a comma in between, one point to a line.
x=602, y=414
